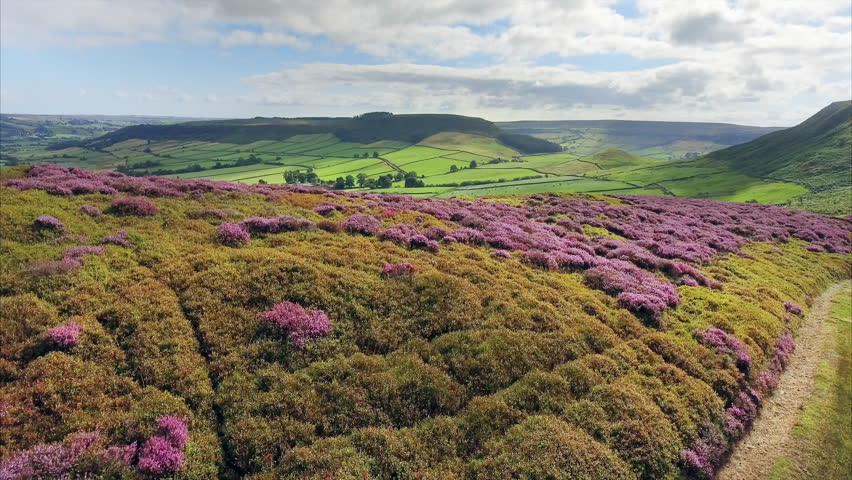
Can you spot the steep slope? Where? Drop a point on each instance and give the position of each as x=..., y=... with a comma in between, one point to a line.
x=188, y=329
x=816, y=154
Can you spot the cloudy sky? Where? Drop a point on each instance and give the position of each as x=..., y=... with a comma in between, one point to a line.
x=760, y=62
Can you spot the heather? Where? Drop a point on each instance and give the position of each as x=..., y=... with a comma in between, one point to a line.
x=397, y=336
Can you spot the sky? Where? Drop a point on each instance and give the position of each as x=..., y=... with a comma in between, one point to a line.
x=754, y=62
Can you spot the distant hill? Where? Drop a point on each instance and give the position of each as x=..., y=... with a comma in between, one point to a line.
x=816, y=154
x=363, y=129
x=613, y=157
x=660, y=140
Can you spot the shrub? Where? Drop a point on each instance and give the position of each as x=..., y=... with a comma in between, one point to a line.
x=793, y=308
x=63, y=337
x=726, y=344
x=298, y=324
x=363, y=224
x=91, y=210
x=501, y=254
x=46, y=222
x=398, y=269
x=546, y=447
x=49, y=461
x=421, y=242
x=163, y=453
x=137, y=206
x=232, y=235
x=329, y=226
x=120, y=239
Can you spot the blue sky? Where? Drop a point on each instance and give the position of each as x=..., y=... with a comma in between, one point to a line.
x=743, y=61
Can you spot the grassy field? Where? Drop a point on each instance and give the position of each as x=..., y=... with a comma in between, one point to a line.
x=500, y=170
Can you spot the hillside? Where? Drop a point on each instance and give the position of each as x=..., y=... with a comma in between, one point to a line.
x=156, y=327
x=816, y=154
x=658, y=140
x=364, y=129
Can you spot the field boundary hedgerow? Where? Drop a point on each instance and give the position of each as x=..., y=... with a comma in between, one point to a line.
x=771, y=437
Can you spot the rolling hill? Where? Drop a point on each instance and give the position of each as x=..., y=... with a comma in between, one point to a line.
x=816, y=154
x=157, y=327
x=363, y=129
x=659, y=140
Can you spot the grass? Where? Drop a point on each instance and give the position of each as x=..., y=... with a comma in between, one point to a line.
x=476, y=144
x=823, y=433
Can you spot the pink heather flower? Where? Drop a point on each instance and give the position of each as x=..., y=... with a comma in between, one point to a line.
x=79, y=253
x=91, y=210
x=65, y=336
x=159, y=456
x=363, y=224
x=767, y=381
x=299, y=324
x=50, y=461
x=500, y=254
x=54, y=267
x=119, y=454
x=232, y=235
x=138, y=206
x=421, y=242
x=46, y=222
x=326, y=209
x=793, y=308
x=120, y=239
x=399, y=269
x=726, y=344
x=174, y=429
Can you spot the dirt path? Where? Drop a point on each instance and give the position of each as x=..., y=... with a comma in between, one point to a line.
x=771, y=436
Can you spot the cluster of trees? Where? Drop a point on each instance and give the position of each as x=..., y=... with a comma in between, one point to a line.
x=365, y=155
x=298, y=176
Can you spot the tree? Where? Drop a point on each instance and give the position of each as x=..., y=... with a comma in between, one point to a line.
x=350, y=181
x=473, y=164
x=413, y=182
x=385, y=181
x=355, y=155
x=340, y=183
x=375, y=154
x=398, y=176
x=261, y=182
x=370, y=183
x=366, y=155
x=362, y=179
x=453, y=169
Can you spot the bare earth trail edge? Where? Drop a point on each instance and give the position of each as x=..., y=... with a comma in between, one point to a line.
x=772, y=434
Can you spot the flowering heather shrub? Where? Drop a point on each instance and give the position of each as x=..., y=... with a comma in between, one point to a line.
x=421, y=242
x=53, y=461
x=46, y=222
x=163, y=453
x=78, y=253
x=701, y=460
x=120, y=454
x=326, y=209
x=91, y=210
x=159, y=456
x=793, y=308
x=468, y=236
x=400, y=234
x=232, y=235
x=399, y=269
x=501, y=254
x=119, y=238
x=299, y=324
x=47, y=268
x=363, y=224
x=64, y=336
x=281, y=223
x=138, y=206
x=726, y=344
x=636, y=289
x=540, y=259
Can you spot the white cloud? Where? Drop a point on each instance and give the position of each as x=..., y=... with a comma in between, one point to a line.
x=756, y=61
